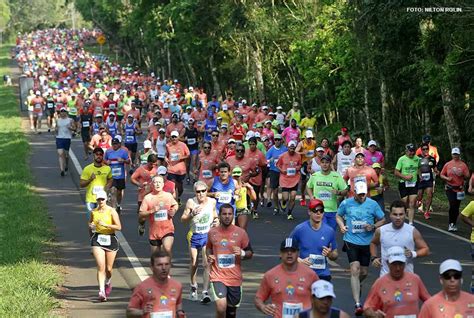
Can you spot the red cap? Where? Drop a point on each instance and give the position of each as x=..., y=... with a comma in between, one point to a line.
x=344, y=129
x=314, y=203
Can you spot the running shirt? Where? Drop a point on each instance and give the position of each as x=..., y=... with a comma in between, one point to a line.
x=246, y=163
x=427, y=164
x=227, y=266
x=323, y=185
x=130, y=136
x=207, y=168
x=241, y=202
x=226, y=192
x=344, y=161
x=63, y=125
x=112, y=128
x=309, y=148
x=86, y=122
x=106, y=217
x=176, y=153
x=161, y=222
x=144, y=156
x=290, y=133
x=161, y=147
x=50, y=104
x=408, y=166
x=166, y=298
x=260, y=162
x=371, y=158
x=191, y=136
x=469, y=213
x=289, y=166
x=311, y=242
x=290, y=291
x=201, y=223
x=432, y=151
x=238, y=132
x=102, y=175
x=272, y=156
x=389, y=237
x=357, y=216
x=118, y=168
x=438, y=307
x=143, y=175
x=360, y=174
x=457, y=170
x=398, y=298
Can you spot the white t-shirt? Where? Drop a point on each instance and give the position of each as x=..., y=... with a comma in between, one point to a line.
x=161, y=148
x=63, y=125
x=344, y=162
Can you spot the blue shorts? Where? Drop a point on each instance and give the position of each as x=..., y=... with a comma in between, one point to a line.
x=330, y=219
x=197, y=240
x=63, y=143
x=194, y=152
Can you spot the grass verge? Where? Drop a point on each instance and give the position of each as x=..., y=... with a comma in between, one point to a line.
x=28, y=280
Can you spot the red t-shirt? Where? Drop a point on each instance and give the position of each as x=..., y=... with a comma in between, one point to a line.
x=260, y=161
x=438, y=307
x=457, y=170
x=175, y=154
x=143, y=175
x=289, y=166
x=364, y=173
x=246, y=163
x=164, y=207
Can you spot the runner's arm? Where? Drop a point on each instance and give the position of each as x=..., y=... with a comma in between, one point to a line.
x=374, y=244
x=421, y=246
x=187, y=215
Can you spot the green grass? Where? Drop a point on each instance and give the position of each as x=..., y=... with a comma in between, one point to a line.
x=28, y=280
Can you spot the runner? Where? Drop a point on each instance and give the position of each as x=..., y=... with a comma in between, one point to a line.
x=158, y=295
x=191, y=138
x=407, y=171
x=317, y=241
x=467, y=216
x=142, y=158
x=306, y=148
x=103, y=222
x=50, y=110
x=432, y=151
x=227, y=246
x=64, y=128
x=426, y=179
x=37, y=106
x=360, y=172
x=362, y=215
x=454, y=173
x=176, y=155
x=321, y=302
x=291, y=133
x=256, y=179
x=223, y=188
x=377, y=193
x=372, y=155
x=344, y=158
x=131, y=130
x=85, y=120
x=289, y=164
x=288, y=285
x=342, y=138
x=274, y=173
x=169, y=186
x=451, y=301
x=159, y=207
x=398, y=293
x=243, y=192
x=397, y=233
x=327, y=185
x=200, y=211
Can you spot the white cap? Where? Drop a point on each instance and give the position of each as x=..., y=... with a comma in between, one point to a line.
x=268, y=121
x=111, y=114
x=309, y=134
x=162, y=130
x=101, y=195
x=320, y=149
x=191, y=120
x=279, y=107
x=292, y=144
x=455, y=151
x=98, y=115
x=230, y=140
x=147, y=144
x=450, y=264
x=37, y=93
x=224, y=107
x=161, y=170
x=165, y=106
x=360, y=187
x=249, y=135
x=372, y=143
x=265, y=107
x=174, y=133
x=257, y=134
x=322, y=288
x=396, y=254
x=244, y=101
x=191, y=88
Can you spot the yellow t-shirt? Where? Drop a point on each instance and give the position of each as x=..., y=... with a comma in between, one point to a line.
x=226, y=117
x=469, y=212
x=308, y=123
x=374, y=192
x=242, y=202
x=104, y=216
x=311, y=150
x=102, y=174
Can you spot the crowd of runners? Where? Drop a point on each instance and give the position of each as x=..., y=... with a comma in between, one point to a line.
x=240, y=158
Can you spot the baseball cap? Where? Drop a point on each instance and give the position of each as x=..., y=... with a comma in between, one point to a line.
x=289, y=243
x=129, y=116
x=249, y=135
x=450, y=265
x=265, y=107
x=224, y=125
x=257, y=134
x=372, y=143
x=279, y=107
x=231, y=140
x=98, y=149
x=268, y=121
x=191, y=120
x=320, y=149
x=360, y=187
x=189, y=107
x=271, y=114
x=376, y=165
x=360, y=154
x=292, y=144
x=396, y=254
x=112, y=114
x=37, y=93
x=101, y=195
x=326, y=157
x=309, y=134
x=322, y=288
x=165, y=106
x=344, y=129
x=98, y=115
x=264, y=137
x=410, y=147
x=426, y=138
x=277, y=136
x=175, y=115
x=161, y=170
x=117, y=139
x=455, y=151
x=162, y=130
x=237, y=171
x=174, y=133
x=224, y=107
x=147, y=144
x=314, y=203
x=63, y=109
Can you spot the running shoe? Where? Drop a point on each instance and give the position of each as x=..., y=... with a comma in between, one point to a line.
x=62, y=174
x=108, y=289
x=188, y=181
x=276, y=211
x=455, y=228
x=427, y=215
x=141, y=229
x=102, y=296
x=205, y=298
x=262, y=203
x=269, y=204
x=290, y=217
x=358, y=310
x=193, y=295
x=283, y=205
x=451, y=227
x=255, y=215
x=303, y=202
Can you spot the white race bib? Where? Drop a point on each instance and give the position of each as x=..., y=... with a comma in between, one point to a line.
x=360, y=179
x=202, y=228
x=162, y=314
x=161, y=215
x=317, y=261
x=358, y=226
x=460, y=195
x=225, y=197
x=97, y=189
x=116, y=171
x=207, y=174
x=425, y=176
x=37, y=106
x=104, y=240
x=310, y=154
x=290, y=310
x=410, y=184
x=226, y=260
x=191, y=141
x=174, y=156
x=129, y=138
x=325, y=195
x=86, y=124
x=404, y=316
x=50, y=105
x=290, y=171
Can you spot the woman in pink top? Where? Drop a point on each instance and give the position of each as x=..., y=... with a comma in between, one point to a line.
x=291, y=132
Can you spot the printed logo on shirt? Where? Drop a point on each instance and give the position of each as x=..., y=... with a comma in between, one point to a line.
x=224, y=242
x=290, y=290
x=163, y=300
x=398, y=296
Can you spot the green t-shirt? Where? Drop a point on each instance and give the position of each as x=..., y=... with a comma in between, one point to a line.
x=322, y=186
x=408, y=166
x=260, y=146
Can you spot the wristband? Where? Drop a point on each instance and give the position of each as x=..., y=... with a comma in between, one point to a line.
x=413, y=254
x=373, y=258
x=242, y=253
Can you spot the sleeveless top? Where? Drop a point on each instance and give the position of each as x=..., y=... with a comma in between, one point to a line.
x=403, y=237
x=63, y=128
x=201, y=223
x=335, y=313
x=191, y=138
x=130, y=137
x=344, y=161
x=161, y=147
x=106, y=217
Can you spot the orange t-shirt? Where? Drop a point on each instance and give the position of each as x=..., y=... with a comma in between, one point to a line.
x=397, y=297
x=355, y=174
x=438, y=307
x=432, y=151
x=135, y=113
x=290, y=291
x=226, y=268
x=457, y=170
x=218, y=147
x=289, y=166
x=175, y=154
x=161, y=221
x=246, y=163
x=208, y=167
x=165, y=297
x=144, y=175
x=260, y=161
x=199, y=117
x=179, y=127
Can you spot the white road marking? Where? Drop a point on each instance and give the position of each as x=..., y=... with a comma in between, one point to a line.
x=137, y=266
x=443, y=231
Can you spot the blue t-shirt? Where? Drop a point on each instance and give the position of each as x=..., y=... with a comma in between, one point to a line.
x=118, y=168
x=311, y=243
x=209, y=125
x=357, y=216
x=226, y=192
x=273, y=154
x=130, y=136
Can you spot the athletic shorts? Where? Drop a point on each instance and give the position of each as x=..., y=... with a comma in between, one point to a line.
x=159, y=241
x=50, y=112
x=304, y=171
x=256, y=188
x=295, y=188
x=107, y=242
x=37, y=115
x=233, y=294
x=132, y=147
x=194, y=152
x=85, y=135
x=176, y=177
x=243, y=211
x=357, y=253
x=63, y=143
x=119, y=184
x=425, y=184
x=74, y=117
x=197, y=240
x=274, y=179
x=404, y=191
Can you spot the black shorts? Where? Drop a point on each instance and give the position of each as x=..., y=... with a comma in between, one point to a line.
x=357, y=253
x=404, y=191
x=295, y=188
x=425, y=184
x=132, y=147
x=85, y=135
x=102, y=242
x=274, y=179
x=119, y=118
x=50, y=112
x=119, y=184
x=159, y=242
x=176, y=177
x=304, y=168
x=233, y=294
x=256, y=188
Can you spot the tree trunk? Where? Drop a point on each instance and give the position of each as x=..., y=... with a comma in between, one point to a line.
x=366, y=109
x=217, y=88
x=385, y=118
x=451, y=125
x=257, y=62
x=168, y=58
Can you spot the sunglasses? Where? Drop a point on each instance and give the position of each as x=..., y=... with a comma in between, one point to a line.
x=206, y=147
x=173, y=137
x=215, y=135
x=201, y=191
x=448, y=276
x=319, y=211
x=424, y=148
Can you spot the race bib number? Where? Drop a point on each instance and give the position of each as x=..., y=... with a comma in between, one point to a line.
x=38, y=106
x=112, y=106
x=425, y=176
x=97, y=189
x=290, y=310
x=86, y=124
x=310, y=154
x=161, y=215
x=207, y=174
x=460, y=195
x=360, y=179
x=162, y=314
x=358, y=226
x=404, y=316
x=225, y=197
x=317, y=261
x=174, y=156
x=202, y=228
x=50, y=105
x=410, y=184
x=116, y=172
x=104, y=240
x=129, y=139
x=226, y=260
x=191, y=141
x=290, y=171
x=325, y=195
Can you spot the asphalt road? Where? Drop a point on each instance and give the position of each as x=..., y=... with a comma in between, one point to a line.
x=65, y=204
